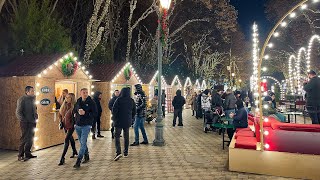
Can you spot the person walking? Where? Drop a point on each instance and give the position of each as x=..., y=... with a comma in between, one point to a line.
x=85, y=111
x=27, y=114
x=124, y=110
x=140, y=100
x=115, y=96
x=199, y=109
x=312, y=88
x=97, y=120
x=163, y=103
x=194, y=103
x=66, y=116
x=230, y=103
x=178, y=103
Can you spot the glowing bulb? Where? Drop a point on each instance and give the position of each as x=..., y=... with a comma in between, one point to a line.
x=38, y=84
x=284, y=24
x=87, y=72
x=37, y=102
x=266, y=106
x=56, y=64
x=35, y=138
x=61, y=60
x=266, y=57
x=267, y=146
x=266, y=120
x=50, y=67
x=276, y=34
x=90, y=77
x=79, y=63
x=266, y=133
x=37, y=93
x=257, y=109
x=83, y=68
x=75, y=58
x=71, y=54
x=304, y=6
x=315, y=1
x=264, y=69
x=92, y=86
x=39, y=75
x=293, y=14
x=36, y=129
x=45, y=72
x=264, y=80
x=66, y=56
x=270, y=45
x=92, y=93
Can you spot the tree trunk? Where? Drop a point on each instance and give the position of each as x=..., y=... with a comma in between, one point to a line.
x=1, y=4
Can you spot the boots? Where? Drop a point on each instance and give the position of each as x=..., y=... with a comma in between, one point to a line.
x=86, y=158
x=77, y=165
x=61, y=161
x=74, y=154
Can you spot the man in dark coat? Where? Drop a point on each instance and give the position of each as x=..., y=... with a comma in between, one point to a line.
x=110, y=105
x=313, y=96
x=85, y=111
x=26, y=112
x=178, y=103
x=163, y=103
x=141, y=104
x=199, y=109
x=217, y=100
x=97, y=120
x=230, y=103
x=124, y=110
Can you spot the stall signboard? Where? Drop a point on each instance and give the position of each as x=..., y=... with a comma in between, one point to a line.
x=45, y=89
x=45, y=102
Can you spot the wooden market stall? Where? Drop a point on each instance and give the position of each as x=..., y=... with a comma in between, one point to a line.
x=49, y=75
x=188, y=92
x=171, y=92
x=111, y=77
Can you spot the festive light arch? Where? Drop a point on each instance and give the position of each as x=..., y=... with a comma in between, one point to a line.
x=204, y=85
x=277, y=83
x=122, y=71
x=274, y=33
x=176, y=79
x=188, y=82
x=197, y=84
x=291, y=72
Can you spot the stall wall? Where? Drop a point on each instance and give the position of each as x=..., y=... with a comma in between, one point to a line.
x=105, y=89
x=13, y=88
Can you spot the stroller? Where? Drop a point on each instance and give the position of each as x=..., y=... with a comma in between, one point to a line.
x=212, y=117
x=151, y=114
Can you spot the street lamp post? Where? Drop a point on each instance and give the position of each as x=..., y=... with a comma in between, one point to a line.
x=159, y=141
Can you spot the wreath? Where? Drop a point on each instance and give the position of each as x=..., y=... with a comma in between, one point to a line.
x=127, y=73
x=69, y=66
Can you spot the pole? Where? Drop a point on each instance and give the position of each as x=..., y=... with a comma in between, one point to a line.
x=159, y=141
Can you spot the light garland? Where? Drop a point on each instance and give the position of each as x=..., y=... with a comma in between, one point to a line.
x=255, y=59
x=282, y=95
x=197, y=85
x=122, y=71
x=204, y=85
x=176, y=78
x=188, y=82
x=163, y=84
x=45, y=72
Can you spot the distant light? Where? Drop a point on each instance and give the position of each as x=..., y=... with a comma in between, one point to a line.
x=304, y=6
x=293, y=14
x=267, y=146
x=276, y=34
x=284, y=24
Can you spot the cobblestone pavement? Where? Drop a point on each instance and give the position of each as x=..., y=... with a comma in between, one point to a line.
x=189, y=153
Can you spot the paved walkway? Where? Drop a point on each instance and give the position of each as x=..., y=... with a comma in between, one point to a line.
x=189, y=154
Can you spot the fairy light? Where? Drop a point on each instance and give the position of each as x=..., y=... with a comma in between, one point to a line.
x=293, y=14
x=270, y=45
x=284, y=24
x=304, y=6
x=266, y=133
x=276, y=34
x=255, y=59
x=204, y=85
x=267, y=146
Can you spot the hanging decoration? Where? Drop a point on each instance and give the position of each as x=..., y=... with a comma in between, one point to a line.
x=69, y=66
x=127, y=73
x=163, y=27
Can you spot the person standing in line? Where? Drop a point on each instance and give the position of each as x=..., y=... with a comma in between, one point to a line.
x=163, y=103
x=61, y=98
x=194, y=103
x=85, y=111
x=115, y=96
x=178, y=103
x=230, y=103
x=27, y=114
x=199, y=109
x=217, y=101
x=240, y=118
x=124, y=110
x=140, y=100
x=312, y=88
x=66, y=116
x=97, y=120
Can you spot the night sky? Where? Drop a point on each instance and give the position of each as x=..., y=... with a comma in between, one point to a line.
x=250, y=11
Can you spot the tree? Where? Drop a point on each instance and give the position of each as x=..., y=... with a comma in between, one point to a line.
x=96, y=27
x=1, y=4
x=34, y=31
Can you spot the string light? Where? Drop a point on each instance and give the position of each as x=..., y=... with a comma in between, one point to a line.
x=304, y=6
x=293, y=14
x=284, y=24
x=267, y=146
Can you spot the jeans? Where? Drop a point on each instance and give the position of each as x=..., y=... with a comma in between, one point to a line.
x=69, y=138
x=126, y=139
x=314, y=113
x=83, y=132
x=139, y=124
x=26, y=140
x=177, y=113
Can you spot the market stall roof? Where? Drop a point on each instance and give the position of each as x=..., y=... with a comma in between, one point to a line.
x=29, y=65
x=109, y=72
x=146, y=77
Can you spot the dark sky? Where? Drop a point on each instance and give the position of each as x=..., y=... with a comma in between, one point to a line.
x=250, y=11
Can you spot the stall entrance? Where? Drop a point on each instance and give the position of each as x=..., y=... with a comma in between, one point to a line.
x=61, y=85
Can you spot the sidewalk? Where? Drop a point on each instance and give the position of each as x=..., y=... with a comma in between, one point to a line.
x=189, y=153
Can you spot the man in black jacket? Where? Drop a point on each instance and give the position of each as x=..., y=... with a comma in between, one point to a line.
x=313, y=97
x=163, y=103
x=140, y=100
x=97, y=120
x=110, y=105
x=217, y=100
x=124, y=110
x=85, y=111
x=230, y=103
x=178, y=103
x=26, y=112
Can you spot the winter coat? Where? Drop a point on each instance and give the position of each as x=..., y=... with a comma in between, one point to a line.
x=112, y=101
x=163, y=99
x=240, y=119
x=216, y=101
x=205, y=102
x=97, y=101
x=67, y=118
x=194, y=103
x=199, y=102
x=90, y=108
x=230, y=102
x=312, y=89
x=140, y=100
x=26, y=109
x=178, y=100
x=123, y=110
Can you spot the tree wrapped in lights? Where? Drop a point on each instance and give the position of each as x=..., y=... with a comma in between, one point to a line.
x=95, y=28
